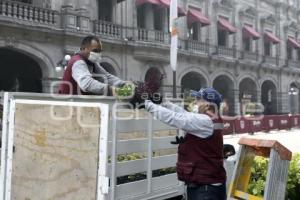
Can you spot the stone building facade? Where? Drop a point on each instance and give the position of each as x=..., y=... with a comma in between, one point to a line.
x=246, y=49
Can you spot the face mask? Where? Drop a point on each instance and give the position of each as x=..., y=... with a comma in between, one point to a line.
x=95, y=57
x=195, y=109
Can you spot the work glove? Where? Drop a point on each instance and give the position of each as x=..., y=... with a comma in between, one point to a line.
x=156, y=98
x=179, y=140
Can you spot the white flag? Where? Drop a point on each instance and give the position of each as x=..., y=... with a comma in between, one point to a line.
x=174, y=34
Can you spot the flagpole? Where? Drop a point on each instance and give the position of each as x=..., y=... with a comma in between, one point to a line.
x=174, y=85
x=174, y=42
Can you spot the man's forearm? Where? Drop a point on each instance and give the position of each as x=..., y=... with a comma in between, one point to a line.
x=84, y=79
x=111, y=79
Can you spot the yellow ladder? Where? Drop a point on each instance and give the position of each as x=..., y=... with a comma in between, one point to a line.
x=279, y=160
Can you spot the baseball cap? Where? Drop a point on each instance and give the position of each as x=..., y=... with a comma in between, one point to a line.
x=208, y=94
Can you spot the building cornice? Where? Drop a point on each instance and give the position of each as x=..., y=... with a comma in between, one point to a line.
x=248, y=12
x=270, y=2
x=271, y=20
x=291, y=26
x=224, y=5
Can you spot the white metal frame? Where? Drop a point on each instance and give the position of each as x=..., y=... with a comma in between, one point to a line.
x=150, y=188
x=8, y=136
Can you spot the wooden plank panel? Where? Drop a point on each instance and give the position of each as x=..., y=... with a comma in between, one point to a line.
x=165, y=181
x=141, y=145
x=159, y=184
x=55, y=159
x=140, y=125
x=137, y=166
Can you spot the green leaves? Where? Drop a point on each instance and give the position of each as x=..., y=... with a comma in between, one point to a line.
x=258, y=176
x=259, y=173
x=125, y=91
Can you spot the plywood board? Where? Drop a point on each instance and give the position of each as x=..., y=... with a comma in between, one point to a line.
x=56, y=152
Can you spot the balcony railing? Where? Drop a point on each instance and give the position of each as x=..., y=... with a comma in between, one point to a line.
x=225, y=51
x=270, y=60
x=108, y=29
x=27, y=12
x=248, y=55
x=197, y=46
x=293, y=63
x=156, y=36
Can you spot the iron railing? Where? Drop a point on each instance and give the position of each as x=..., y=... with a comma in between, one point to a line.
x=226, y=51
x=108, y=29
x=155, y=36
x=293, y=63
x=270, y=60
x=248, y=55
x=197, y=46
x=27, y=12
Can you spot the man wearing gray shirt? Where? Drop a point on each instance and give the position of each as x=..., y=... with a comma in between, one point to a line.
x=84, y=75
x=200, y=153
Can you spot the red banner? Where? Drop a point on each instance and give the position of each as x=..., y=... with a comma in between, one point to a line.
x=270, y=122
x=284, y=122
x=228, y=127
x=255, y=125
x=242, y=126
x=295, y=121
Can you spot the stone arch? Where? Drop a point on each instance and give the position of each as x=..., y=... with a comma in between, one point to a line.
x=225, y=73
x=23, y=74
x=242, y=77
x=45, y=62
x=273, y=80
x=225, y=85
x=246, y=89
x=247, y=93
x=194, y=69
x=292, y=81
x=112, y=64
x=269, y=97
x=192, y=81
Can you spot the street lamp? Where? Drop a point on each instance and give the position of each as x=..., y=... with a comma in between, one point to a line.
x=292, y=93
x=62, y=63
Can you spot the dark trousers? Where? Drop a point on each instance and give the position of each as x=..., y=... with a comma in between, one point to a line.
x=206, y=192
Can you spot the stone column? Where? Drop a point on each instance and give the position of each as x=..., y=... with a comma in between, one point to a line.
x=83, y=5
x=50, y=85
x=83, y=18
x=236, y=94
x=69, y=15
x=68, y=4
x=283, y=103
x=258, y=99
